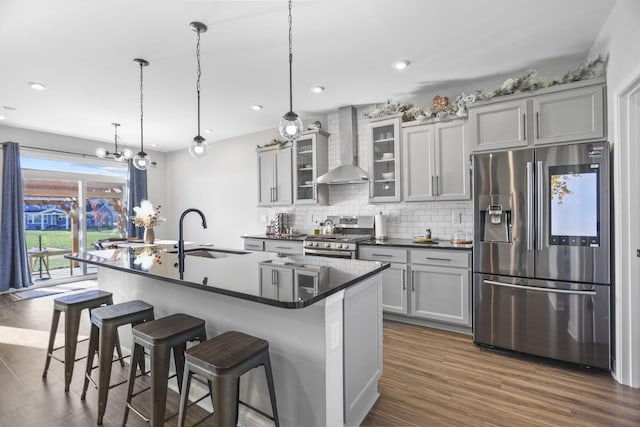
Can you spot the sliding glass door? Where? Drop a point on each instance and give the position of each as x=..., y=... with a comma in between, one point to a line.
x=69, y=205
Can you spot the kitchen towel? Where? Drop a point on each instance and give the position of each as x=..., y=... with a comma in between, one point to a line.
x=380, y=226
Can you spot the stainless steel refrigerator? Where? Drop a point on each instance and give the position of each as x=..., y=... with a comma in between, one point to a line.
x=542, y=252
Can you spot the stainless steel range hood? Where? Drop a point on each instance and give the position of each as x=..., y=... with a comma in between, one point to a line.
x=348, y=172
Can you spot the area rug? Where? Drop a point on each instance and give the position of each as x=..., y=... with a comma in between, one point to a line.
x=52, y=290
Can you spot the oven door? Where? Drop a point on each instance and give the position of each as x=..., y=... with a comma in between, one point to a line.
x=331, y=253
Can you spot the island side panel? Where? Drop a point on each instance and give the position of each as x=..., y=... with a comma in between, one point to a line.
x=363, y=348
x=308, y=373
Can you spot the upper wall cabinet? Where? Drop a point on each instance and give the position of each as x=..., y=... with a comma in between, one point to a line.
x=311, y=153
x=274, y=176
x=384, y=168
x=562, y=113
x=435, y=162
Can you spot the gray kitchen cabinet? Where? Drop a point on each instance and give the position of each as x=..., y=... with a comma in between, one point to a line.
x=573, y=115
x=274, y=176
x=441, y=294
x=559, y=114
x=394, y=289
x=435, y=162
x=384, y=166
x=276, y=282
x=311, y=159
x=254, y=244
x=287, y=247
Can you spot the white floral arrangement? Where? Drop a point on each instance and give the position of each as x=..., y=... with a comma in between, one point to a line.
x=527, y=82
x=146, y=215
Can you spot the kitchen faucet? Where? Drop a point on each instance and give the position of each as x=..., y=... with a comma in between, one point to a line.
x=181, y=237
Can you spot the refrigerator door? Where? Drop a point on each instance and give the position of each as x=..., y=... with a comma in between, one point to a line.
x=573, y=210
x=504, y=213
x=559, y=320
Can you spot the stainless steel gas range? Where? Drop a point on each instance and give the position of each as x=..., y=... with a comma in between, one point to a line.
x=343, y=243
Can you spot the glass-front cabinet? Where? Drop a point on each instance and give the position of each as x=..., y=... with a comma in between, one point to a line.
x=384, y=170
x=310, y=161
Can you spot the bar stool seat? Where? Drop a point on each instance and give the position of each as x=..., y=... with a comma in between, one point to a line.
x=160, y=337
x=72, y=306
x=104, y=326
x=223, y=360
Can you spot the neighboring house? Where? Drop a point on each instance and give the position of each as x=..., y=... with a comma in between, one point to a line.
x=45, y=218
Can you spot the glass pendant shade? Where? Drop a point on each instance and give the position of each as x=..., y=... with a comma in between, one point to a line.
x=198, y=147
x=125, y=154
x=102, y=152
x=142, y=161
x=290, y=126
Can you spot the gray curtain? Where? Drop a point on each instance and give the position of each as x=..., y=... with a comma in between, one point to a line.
x=14, y=262
x=137, y=193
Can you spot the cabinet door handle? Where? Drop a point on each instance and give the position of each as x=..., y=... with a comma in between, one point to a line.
x=537, y=125
x=413, y=281
x=404, y=280
x=432, y=185
x=438, y=259
x=437, y=185
x=284, y=247
x=273, y=277
x=275, y=192
x=524, y=126
x=382, y=255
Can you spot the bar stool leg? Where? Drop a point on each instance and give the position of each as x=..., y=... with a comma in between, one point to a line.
x=52, y=338
x=178, y=358
x=105, y=356
x=160, y=357
x=138, y=352
x=272, y=389
x=93, y=347
x=184, y=395
x=71, y=327
x=226, y=389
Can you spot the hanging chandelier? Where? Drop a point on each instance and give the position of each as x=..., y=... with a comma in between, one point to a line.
x=198, y=147
x=290, y=125
x=116, y=155
x=142, y=160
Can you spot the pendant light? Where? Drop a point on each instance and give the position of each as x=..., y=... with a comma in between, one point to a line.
x=118, y=156
x=290, y=125
x=142, y=160
x=198, y=147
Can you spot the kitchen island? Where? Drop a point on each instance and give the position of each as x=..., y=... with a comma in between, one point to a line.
x=321, y=316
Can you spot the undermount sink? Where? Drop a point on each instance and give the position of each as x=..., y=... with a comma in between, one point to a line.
x=210, y=253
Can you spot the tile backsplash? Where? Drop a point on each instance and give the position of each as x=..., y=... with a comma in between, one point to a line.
x=403, y=220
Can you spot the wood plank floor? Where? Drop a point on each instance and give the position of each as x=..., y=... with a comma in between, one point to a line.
x=431, y=378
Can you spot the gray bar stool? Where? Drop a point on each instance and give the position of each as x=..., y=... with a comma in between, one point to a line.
x=222, y=361
x=72, y=306
x=104, y=327
x=160, y=337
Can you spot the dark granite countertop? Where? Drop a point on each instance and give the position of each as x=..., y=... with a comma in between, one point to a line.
x=237, y=273
x=409, y=243
x=299, y=237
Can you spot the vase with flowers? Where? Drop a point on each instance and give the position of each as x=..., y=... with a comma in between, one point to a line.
x=147, y=216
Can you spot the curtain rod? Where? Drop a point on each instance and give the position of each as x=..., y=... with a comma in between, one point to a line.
x=55, y=151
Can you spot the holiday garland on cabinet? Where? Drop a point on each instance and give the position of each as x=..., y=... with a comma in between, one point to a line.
x=442, y=108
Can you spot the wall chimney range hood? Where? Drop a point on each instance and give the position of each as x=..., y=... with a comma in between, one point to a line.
x=348, y=171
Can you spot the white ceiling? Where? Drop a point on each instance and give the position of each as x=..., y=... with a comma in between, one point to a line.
x=84, y=50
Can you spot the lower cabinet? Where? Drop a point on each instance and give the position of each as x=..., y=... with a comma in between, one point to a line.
x=276, y=283
x=287, y=247
x=394, y=289
x=441, y=293
x=431, y=286
x=254, y=244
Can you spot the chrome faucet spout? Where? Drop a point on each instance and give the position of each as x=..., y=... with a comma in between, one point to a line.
x=181, y=237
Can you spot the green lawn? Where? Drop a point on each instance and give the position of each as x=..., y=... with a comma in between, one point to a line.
x=61, y=239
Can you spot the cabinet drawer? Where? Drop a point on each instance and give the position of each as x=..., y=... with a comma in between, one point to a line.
x=377, y=253
x=254, y=244
x=441, y=257
x=293, y=248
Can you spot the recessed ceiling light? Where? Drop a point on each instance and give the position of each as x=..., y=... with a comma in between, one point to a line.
x=154, y=145
x=2, y=117
x=208, y=131
x=257, y=107
x=37, y=86
x=317, y=89
x=401, y=65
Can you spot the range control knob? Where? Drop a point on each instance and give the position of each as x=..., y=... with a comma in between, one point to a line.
x=327, y=245
x=339, y=245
